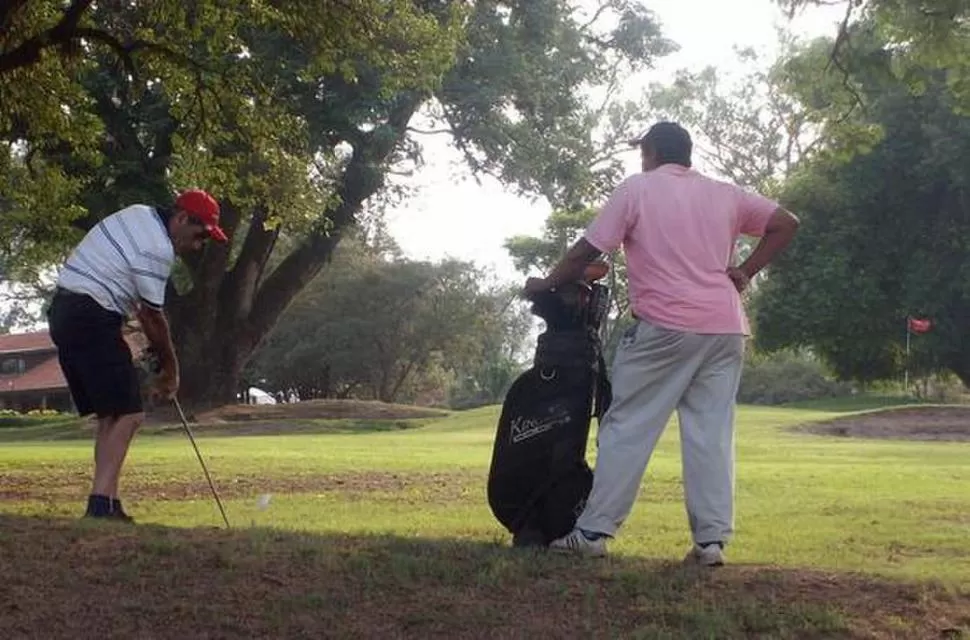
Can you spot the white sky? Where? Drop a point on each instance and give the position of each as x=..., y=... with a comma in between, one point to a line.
x=450, y=216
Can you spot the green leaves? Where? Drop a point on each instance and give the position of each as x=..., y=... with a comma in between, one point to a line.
x=293, y=112
x=516, y=99
x=376, y=328
x=924, y=34
x=885, y=230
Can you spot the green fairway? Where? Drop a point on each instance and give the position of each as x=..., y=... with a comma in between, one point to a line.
x=887, y=509
x=891, y=507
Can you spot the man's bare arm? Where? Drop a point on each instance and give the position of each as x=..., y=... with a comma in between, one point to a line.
x=155, y=326
x=572, y=265
x=779, y=232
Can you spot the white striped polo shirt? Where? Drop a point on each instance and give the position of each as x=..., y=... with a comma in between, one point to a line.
x=125, y=259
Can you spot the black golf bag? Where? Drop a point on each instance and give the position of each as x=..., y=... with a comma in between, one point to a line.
x=539, y=478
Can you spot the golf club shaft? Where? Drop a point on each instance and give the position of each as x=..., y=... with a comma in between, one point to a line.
x=185, y=424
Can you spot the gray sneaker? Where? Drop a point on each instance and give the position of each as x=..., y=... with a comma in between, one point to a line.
x=710, y=556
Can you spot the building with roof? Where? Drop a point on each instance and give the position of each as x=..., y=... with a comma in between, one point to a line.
x=30, y=375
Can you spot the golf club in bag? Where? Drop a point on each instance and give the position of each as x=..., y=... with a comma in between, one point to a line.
x=539, y=478
x=151, y=367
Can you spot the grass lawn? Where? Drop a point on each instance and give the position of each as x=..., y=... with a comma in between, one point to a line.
x=384, y=531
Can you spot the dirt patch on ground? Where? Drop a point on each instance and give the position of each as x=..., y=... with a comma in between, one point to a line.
x=70, y=579
x=909, y=423
x=289, y=427
x=312, y=410
x=73, y=484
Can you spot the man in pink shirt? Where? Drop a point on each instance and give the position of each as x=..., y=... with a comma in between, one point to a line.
x=678, y=230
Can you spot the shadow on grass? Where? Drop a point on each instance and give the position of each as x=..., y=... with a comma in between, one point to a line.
x=69, y=578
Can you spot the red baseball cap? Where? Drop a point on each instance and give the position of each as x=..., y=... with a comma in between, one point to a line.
x=204, y=207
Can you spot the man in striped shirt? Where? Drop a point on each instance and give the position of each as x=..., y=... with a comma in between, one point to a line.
x=121, y=268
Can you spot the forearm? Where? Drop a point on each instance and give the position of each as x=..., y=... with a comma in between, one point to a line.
x=156, y=329
x=776, y=238
x=573, y=264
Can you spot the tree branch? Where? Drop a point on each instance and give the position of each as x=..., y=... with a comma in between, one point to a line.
x=362, y=178
x=596, y=16
x=239, y=286
x=7, y=13
x=28, y=52
x=428, y=132
x=840, y=40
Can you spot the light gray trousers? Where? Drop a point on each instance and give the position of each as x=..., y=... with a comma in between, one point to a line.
x=657, y=371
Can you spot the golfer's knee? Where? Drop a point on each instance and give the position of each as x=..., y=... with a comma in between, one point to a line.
x=129, y=421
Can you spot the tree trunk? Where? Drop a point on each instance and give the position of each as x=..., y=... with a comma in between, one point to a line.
x=221, y=320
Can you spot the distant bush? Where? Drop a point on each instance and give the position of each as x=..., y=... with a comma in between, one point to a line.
x=12, y=418
x=785, y=376
x=942, y=387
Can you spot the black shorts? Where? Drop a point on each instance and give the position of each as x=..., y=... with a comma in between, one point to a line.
x=94, y=357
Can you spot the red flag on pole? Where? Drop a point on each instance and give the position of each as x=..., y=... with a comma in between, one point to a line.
x=920, y=325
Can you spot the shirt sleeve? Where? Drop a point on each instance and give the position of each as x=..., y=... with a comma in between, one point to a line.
x=151, y=269
x=754, y=211
x=610, y=226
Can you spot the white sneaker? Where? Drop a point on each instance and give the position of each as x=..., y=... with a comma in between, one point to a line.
x=710, y=556
x=576, y=542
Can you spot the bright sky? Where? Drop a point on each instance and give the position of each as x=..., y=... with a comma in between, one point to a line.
x=460, y=218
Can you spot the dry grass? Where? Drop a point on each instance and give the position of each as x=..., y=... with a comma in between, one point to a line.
x=72, y=579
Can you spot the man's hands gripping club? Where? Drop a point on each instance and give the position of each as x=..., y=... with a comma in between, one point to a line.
x=155, y=325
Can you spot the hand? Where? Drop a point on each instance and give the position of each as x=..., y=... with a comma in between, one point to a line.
x=535, y=285
x=739, y=278
x=166, y=385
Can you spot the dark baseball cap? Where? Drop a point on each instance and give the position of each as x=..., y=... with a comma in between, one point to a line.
x=668, y=139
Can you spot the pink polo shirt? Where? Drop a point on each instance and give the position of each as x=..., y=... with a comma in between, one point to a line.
x=678, y=230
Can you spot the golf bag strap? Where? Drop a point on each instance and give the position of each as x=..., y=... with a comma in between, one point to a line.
x=603, y=391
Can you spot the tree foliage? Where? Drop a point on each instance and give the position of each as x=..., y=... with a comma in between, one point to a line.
x=885, y=235
x=375, y=328
x=926, y=34
x=749, y=129
x=292, y=113
x=540, y=254
x=153, y=97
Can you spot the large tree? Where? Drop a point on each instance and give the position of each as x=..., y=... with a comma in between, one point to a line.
x=886, y=231
x=506, y=79
x=104, y=102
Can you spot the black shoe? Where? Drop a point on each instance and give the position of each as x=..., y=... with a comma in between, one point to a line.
x=98, y=506
x=119, y=513
x=107, y=508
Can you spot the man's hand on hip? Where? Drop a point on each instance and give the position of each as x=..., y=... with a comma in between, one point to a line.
x=739, y=278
